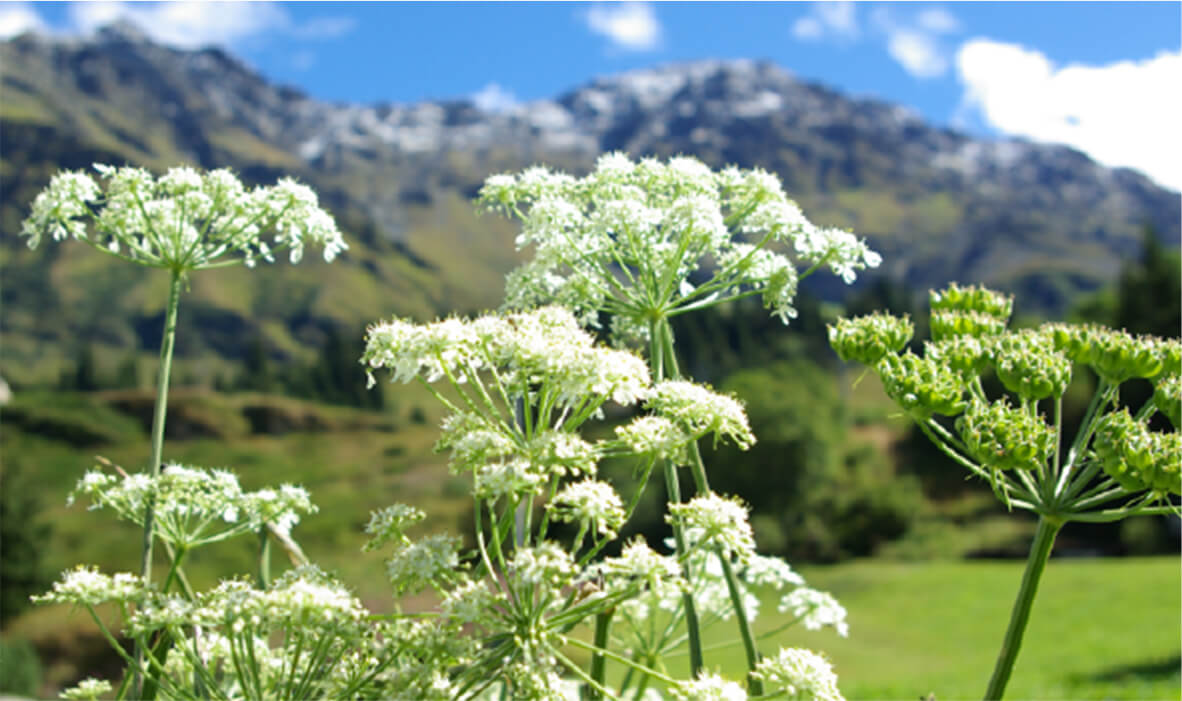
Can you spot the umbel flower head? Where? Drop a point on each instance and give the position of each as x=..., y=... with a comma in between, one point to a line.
x=635, y=239
x=185, y=220
x=866, y=339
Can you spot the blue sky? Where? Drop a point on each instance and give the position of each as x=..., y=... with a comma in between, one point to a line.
x=1103, y=77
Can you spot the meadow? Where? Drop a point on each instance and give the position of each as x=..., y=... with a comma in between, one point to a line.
x=1102, y=630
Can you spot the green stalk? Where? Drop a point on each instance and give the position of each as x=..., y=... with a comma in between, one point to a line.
x=166, y=345
x=692, y=627
x=264, y=559
x=660, y=339
x=1040, y=552
x=754, y=685
x=603, y=622
x=698, y=470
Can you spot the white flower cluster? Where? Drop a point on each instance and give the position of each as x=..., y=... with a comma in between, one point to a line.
x=89, y=689
x=718, y=521
x=540, y=347
x=815, y=609
x=185, y=220
x=699, y=411
x=195, y=507
x=626, y=238
x=708, y=687
x=86, y=586
x=590, y=503
x=800, y=675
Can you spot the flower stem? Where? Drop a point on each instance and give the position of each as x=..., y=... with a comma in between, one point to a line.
x=698, y=470
x=161, y=408
x=166, y=345
x=661, y=345
x=603, y=621
x=754, y=685
x=1040, y=552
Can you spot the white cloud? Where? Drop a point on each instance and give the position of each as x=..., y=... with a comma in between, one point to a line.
x=632, y=26
x=185, y=24
x=192, y=23
x=916, y=44
x=1121, y=114
x=830, y=18
x=937, y=20
x=918, y=53
x=494, y=98
x=18, y=18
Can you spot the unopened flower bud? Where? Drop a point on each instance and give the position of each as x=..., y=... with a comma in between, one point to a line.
x=1121, y=356
x=1136, y=457
x=972, y=299
x=1167, y=397
x=1004, y=437
x=866, y=339
x=1027, y=365
x=921, y=385
x=951, y=323
x=966, y=355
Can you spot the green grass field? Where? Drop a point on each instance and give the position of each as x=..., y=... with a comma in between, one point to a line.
x=1101, y=629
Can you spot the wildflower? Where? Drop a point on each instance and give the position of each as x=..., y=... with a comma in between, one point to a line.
x=771, y=571
x=89, y=689
x=590, y=502
x=1136, y=457
x=867, y=338
x=1167, y=397
x=546, y=565
x=968, y=356
x=708, y=687
x=974, y=299
x=654, y=435
x=698, y=411
x=626, y=239
x=921, y=385
x=815, y=609
x=183, y=221
x=86, y=586
x=1027, y=367
x=800, y=674
x=391, y=523
x=1004, y=437
x=722, y=520
x=952, y=323
x=415, y=565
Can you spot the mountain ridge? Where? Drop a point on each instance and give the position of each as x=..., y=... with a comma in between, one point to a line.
x=1041, y=220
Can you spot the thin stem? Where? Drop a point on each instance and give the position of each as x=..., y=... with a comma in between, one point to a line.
x=603, y=622
x=264, y=559
x=166, y=346
x=692, y=626
x=1040, y=551
x=754, y=685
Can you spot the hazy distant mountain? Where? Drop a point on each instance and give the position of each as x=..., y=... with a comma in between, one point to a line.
x=1042, y=220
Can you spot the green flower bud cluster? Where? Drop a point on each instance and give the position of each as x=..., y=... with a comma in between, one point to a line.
x=1116, y=356
x=866, y=339
x=1136, y=457
x=1167, y=397
x=922, y=386
x=1171, y=357
x=966, y=355
x=1005, y=437
x=1029, y=367
x=951, y=323
x=972, y=299
x=968, y=311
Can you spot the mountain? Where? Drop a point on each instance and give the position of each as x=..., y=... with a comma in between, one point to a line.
x=1043, y=221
